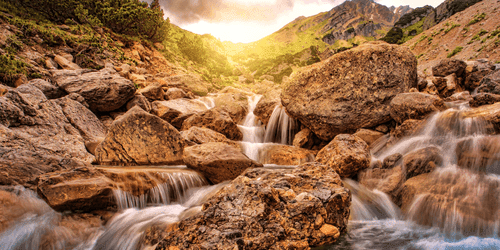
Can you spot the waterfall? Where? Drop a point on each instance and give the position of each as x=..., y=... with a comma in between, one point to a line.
x=281, y=128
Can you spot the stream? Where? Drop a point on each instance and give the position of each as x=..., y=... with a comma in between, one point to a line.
x=461, y=210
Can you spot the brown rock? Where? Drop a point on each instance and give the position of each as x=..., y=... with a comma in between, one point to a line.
x=265, y=108
x=490, y=83
x=65, y=63
x=407, y=128
x=304, y=139
x=286, y=155
x=479, y=154
x=214, y=119
x=153, y=92
x=50, y=90
x=269, y=209
x=368, y=135
x=475, y=72
x=346, y=154
x=204, y=135
x=169, y=110
x=217, y=161
x=484, y=99
x=490, y=113
x=234, y=102
x=140, y=101
x=389, y=180
x=422, y=161
x=103, y=90
x=414, y=106
x=139, y=138
x=351, y=89
x=175, y=93
x=449, y=66
x=463, y=96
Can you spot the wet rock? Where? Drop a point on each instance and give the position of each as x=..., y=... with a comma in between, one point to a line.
x=484, y=99
x=351, y=89
x=140, y=101
x=217, y=120
x=103, y=90
x=407, y=128
x=449, y=66
x=490, y=113
x=217, y=161
x=387, y=180
x=304, y=139
x=414, y=106
x=490, y=83
x=175, y=93
x=392, y=160
x=265, y=108
x=286, y=155
x=479, y=154
x=368, y=135
x=269, y=209
x=463, y=96
x=346, y=154
x=153, y=92
x=204, y=135
x=139, y=138
x=422, y=161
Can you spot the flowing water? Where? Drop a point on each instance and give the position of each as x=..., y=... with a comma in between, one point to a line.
x=459, y=207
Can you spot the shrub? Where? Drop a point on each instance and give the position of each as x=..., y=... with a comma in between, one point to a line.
x=455, y=51
x=477, y=18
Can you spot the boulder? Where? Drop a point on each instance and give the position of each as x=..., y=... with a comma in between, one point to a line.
x=414, y=106
x=422, y=161
x=265, y=108
x=490, y=113
x=187, y=82
x=169, y=110
x=449, y=66
x=50, y=90
x=475, y=72
x=368, y=135
x=89, y=126
x=479, y=154
x=214, y=119
x=463, y=96
x=234, y=102
x=267, y=77
x=387, y=180
x=65, y=63
x=304, y=139
x=175, y=93
x=286, y=155
x=140, y=101
x=217, y=161
x=103, y=90
x=346, y=154
x=204, y=135
x=351, y=89
x=268, y=209
x=484, y=99
x=139, y=138
x=407, y=128
x=153, y=92
x=490, y=83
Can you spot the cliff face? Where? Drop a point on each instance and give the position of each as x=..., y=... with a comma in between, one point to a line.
x=360, y=18
x=445, y=10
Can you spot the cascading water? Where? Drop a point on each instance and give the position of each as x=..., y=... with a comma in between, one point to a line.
x=281, y=128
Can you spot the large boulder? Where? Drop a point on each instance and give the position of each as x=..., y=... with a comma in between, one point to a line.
x=174, y=109
x=490, y=83
x=351, y=89
x=217, y=161
x=481, y=99
x=214, y=119
x=368, y=135
x=234, y=102
x=346, y=154
x=490, y=113
x=103, y=90
x=449, y=66
x=265, y=108
x=285, y=155
x=422, y=161
x=415, y=106
x=139, y=138
x=268, y=209
x=204, y=135
x=38, y=135
x=475, y=72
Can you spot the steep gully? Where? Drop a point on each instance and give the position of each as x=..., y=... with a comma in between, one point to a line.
x=460, y=210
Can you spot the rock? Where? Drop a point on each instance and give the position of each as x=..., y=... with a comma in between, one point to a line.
x=479, y=154
x=304, y=139
x=414, y=106
x=153, y=92
x=387, y=180
x=188, y=83
x=268, y=209
x=490, y=113
x=484, y=99
x=407, y=128
x=234, y=102
x=286, y=155
x=214, y=119
x=411, y=188
x=490, y=83
x=21, y=79
x=368, y=135
x=65, y=63
x=103, y=90
x=422, y=161
x=50, y=64
x=265, y=108
x=346, y=154
x=463, y=96
x=175, y=93
x=204, y=135
x=452, y=86
x=392, y=160
x=140, y=101
x=173, y=109
x=139, y=138
x=51, y=91
x=217, y=161
x=475, y=72
x=267, y=77
x=449, y=66
x=351, y=89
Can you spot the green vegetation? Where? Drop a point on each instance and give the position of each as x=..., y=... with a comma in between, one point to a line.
x=455, y=51
x=450, y=27
x=477, y=18
x=11, y=68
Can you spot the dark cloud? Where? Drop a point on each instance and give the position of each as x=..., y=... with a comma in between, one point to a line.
x=192, y=11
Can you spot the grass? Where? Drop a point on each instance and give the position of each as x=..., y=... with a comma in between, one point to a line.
x=451, y=27
x=455, y=51
x=477, y=18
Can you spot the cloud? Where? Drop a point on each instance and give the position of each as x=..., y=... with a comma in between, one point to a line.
x=217, y=11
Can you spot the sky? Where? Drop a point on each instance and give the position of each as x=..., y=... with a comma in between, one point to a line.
x=250, y=20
